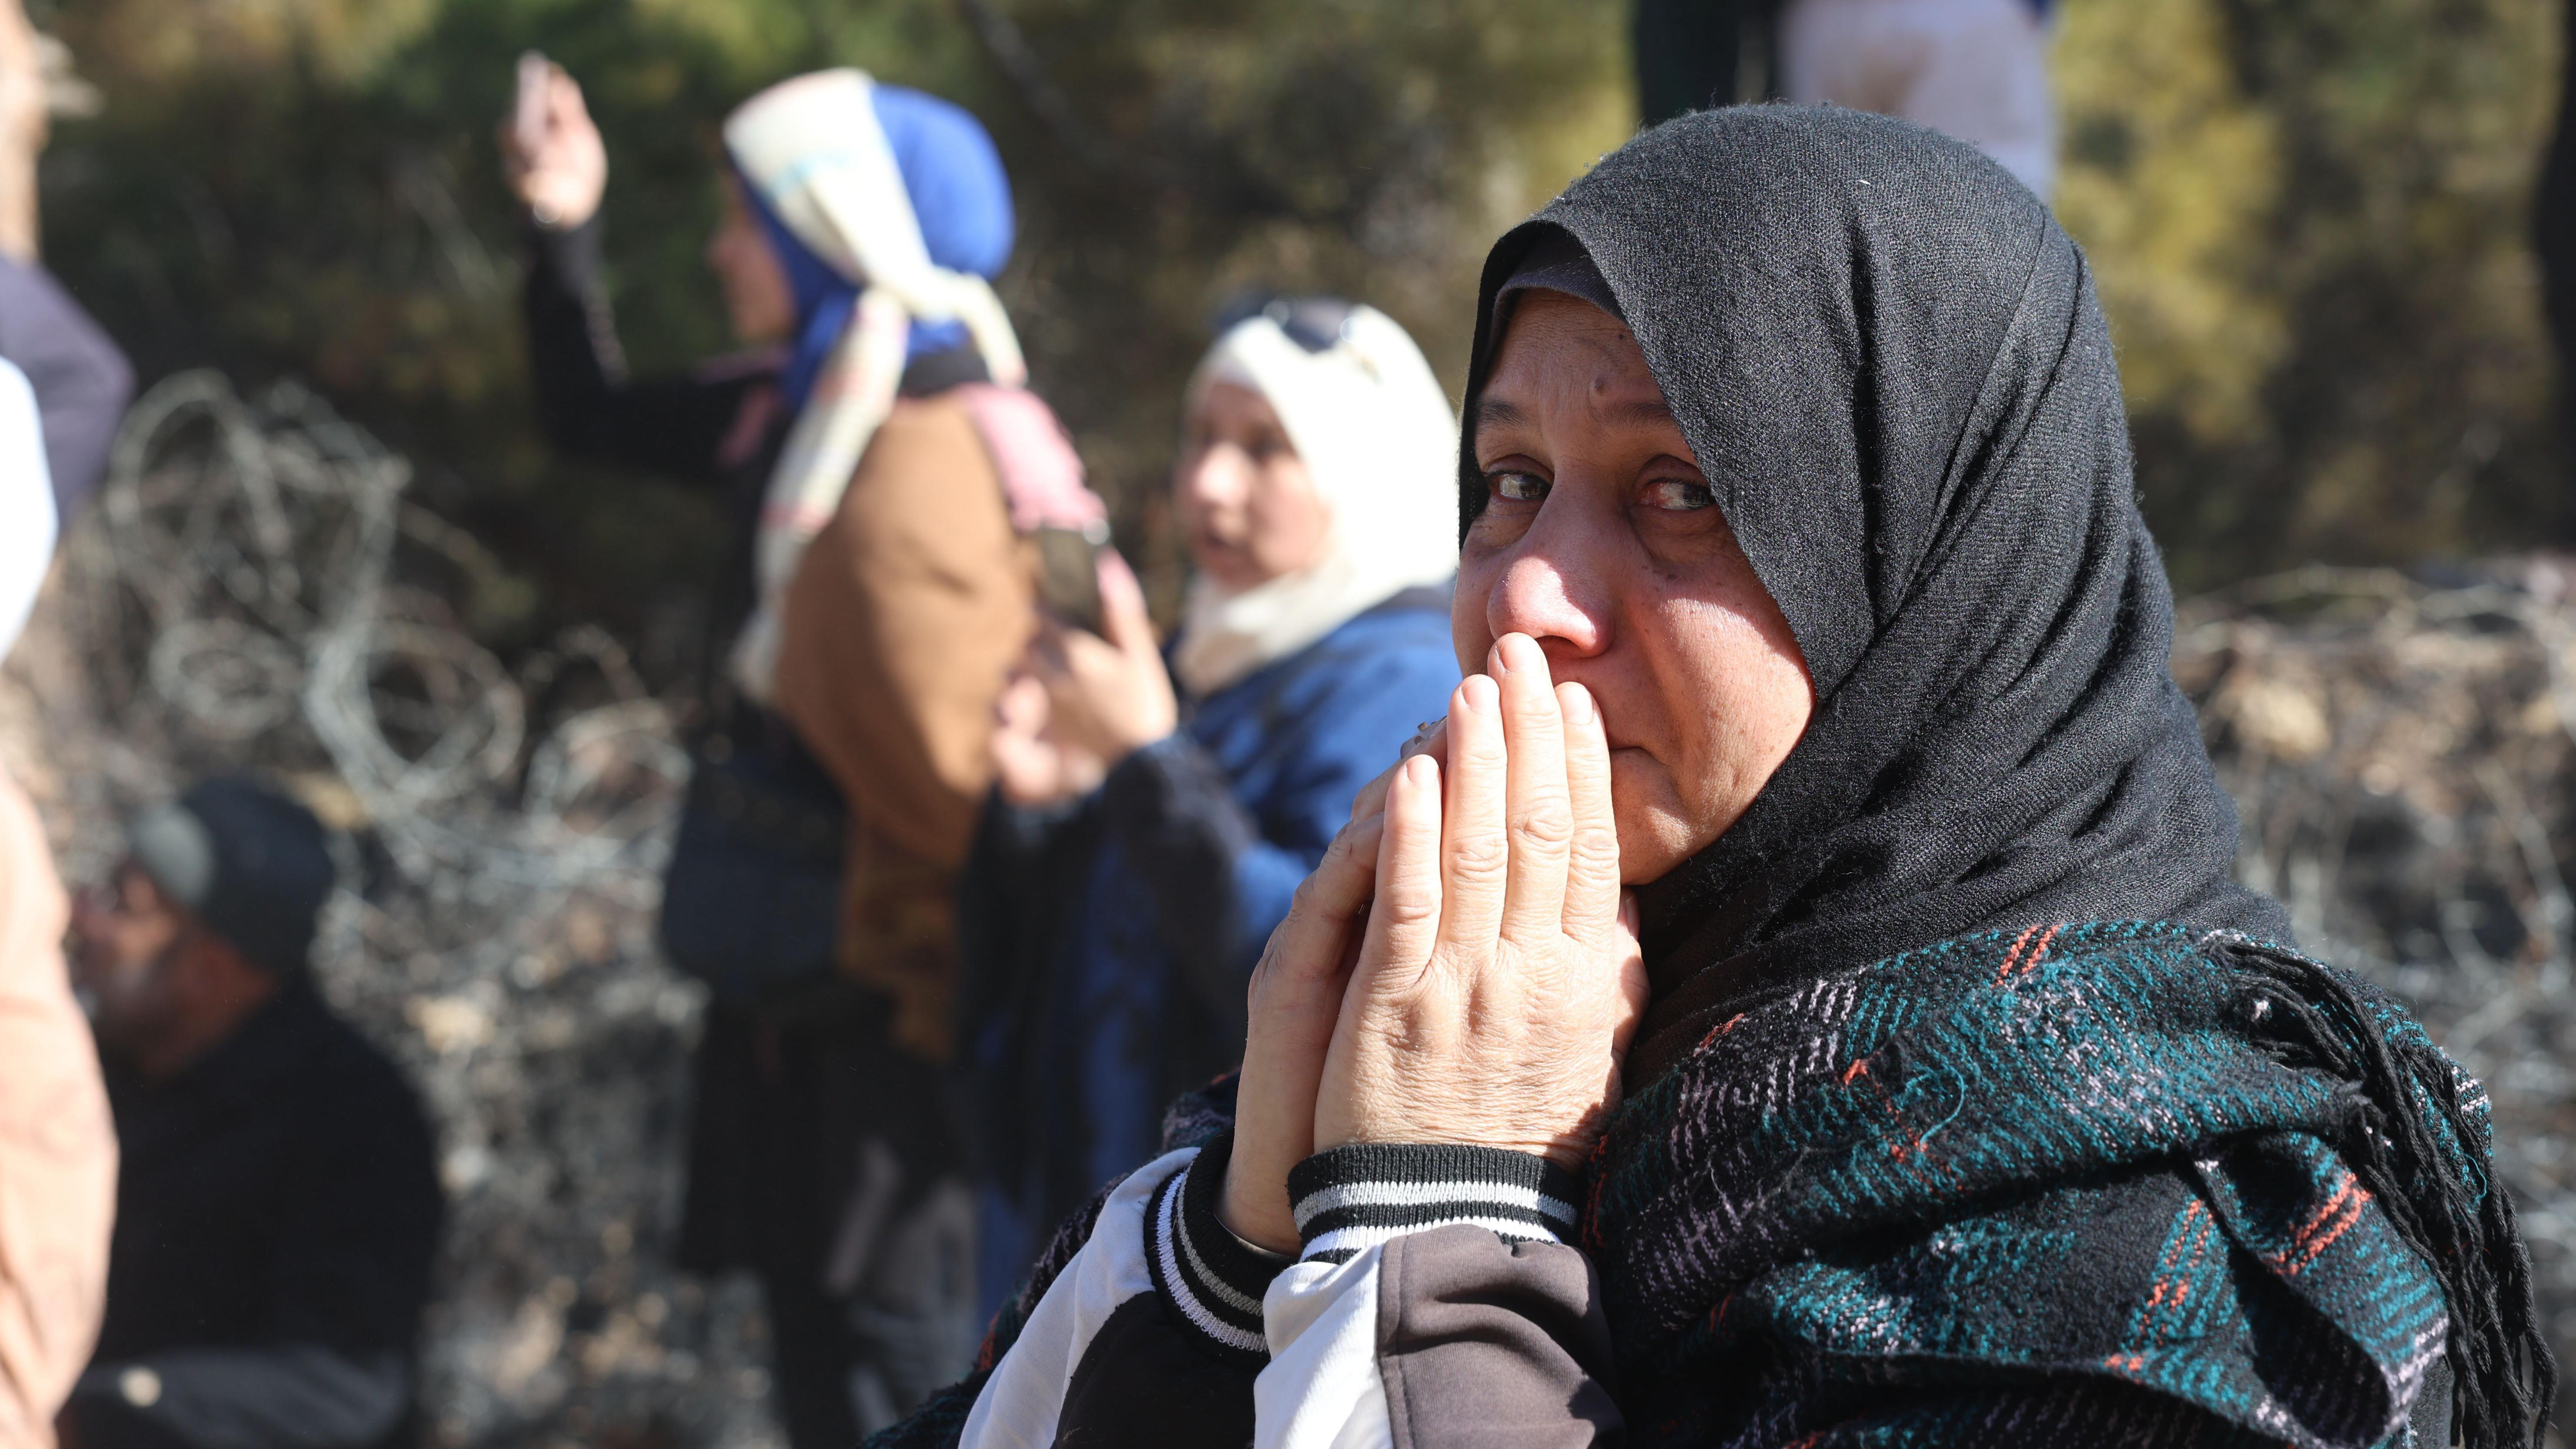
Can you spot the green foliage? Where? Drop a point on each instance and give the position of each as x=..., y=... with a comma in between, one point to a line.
x=2310, y=219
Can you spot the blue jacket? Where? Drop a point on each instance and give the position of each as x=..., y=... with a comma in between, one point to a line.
x=1107, y=948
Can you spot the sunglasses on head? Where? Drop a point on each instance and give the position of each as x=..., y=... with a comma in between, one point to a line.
x=1317, y=324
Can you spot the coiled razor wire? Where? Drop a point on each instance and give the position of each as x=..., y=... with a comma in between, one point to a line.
x=254, y=592
x=258, y=543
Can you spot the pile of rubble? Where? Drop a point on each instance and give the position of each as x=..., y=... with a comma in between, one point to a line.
x=252, y=591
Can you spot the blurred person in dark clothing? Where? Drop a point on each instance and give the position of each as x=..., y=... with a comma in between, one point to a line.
x=1973, y=69
x=881, y=463
x=279, y=1207
x=81, y=380
x=1694, y=54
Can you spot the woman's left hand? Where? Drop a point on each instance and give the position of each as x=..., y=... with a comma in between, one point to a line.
x=1499, y=979
x=1107, y=694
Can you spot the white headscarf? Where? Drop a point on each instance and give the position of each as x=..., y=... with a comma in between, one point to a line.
x=1374, y=428
x=817, y=154
x=27, y=522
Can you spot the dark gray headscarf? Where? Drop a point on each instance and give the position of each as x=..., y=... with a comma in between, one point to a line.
x=1888, y=361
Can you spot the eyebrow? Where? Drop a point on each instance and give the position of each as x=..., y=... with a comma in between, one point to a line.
x=1640, y=410
x=1644, y=410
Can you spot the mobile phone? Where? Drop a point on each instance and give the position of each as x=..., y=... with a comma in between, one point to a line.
x=1069, y=577
x=528, y=118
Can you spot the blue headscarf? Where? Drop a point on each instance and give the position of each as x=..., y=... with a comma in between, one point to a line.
x=961, y=197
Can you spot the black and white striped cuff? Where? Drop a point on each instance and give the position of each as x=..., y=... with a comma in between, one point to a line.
x=1350, y=1199
x=1212, y=1280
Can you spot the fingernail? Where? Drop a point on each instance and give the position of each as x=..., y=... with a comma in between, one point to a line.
x=1479, y=693
x=1517, y=651
x=1578, y=704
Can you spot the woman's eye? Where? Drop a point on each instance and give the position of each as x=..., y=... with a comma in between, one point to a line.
x=1680, y=496
x=1518, y=487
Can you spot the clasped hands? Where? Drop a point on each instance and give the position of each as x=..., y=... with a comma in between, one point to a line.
x=1463, y=967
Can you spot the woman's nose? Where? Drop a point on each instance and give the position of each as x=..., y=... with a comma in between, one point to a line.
x=1218, y=477
x=1556, y=587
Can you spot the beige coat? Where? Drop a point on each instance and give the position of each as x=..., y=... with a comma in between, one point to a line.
x=907, y=612
x=57, y=1144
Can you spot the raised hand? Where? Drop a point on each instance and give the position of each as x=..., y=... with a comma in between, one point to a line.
x=552, y=154
x=1498, y=979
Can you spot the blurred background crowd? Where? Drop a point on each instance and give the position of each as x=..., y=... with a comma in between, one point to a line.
x=607, y=662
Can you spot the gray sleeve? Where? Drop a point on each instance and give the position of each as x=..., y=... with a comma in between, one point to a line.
x=1483, y=1341
x=82, y=381
x=1488, y=1322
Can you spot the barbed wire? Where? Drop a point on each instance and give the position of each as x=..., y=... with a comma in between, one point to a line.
x=255, y=592
x=255, y=545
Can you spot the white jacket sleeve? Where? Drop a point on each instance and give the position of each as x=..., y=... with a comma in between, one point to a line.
x=1438, y=1302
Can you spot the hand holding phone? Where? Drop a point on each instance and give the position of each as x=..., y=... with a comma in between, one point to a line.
x=1108, y=693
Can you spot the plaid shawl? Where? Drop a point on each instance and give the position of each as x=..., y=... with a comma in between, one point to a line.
x=2090, y=1185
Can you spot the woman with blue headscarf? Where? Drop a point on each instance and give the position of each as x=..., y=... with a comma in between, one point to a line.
x=883, y=462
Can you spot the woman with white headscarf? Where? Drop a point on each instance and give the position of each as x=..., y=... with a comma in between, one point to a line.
x=1151, y=825
x=882, y=462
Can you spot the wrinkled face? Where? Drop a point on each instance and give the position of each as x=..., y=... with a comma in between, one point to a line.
x=126, y=943
x=1246, y=499
x=1601, y=540
x=759, y=302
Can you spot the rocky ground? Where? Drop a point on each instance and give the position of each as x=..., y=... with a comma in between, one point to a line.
x=252, y=591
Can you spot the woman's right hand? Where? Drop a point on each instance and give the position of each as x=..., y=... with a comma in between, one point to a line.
x=1500, y=981
x=556, y=163
x=1296, y=997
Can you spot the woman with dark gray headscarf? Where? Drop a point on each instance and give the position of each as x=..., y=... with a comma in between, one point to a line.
x=1799, y=998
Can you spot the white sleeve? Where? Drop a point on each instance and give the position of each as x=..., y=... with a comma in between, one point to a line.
x=1021, y=1402
x=1437, y=1305
x=27, y=523
x=1322, y=1389
x=1335, y=1335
